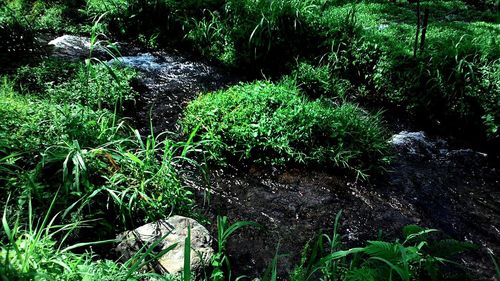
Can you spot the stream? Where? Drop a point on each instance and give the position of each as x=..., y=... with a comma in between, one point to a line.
x=430, y=183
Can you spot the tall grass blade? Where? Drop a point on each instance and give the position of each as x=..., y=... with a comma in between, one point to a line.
x=187, y=256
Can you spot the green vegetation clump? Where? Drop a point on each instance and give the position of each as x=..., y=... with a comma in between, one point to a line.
x=37, y=79
x=276, y=124
x=62, y=131
x=314, y=81
x=30, y=125
x=420, y=255
x=37, y=250
x=37, y=15
x=96, y=86
x=448, y=77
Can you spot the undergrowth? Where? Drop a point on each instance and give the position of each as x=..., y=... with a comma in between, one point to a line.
x=420, y=255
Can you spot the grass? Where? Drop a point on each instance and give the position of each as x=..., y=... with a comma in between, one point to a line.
x=274, y=124
x=37, y=251
x=30, y=125
x=64, y=132
x=224, y=231
x=83, y=163
x=370, y=45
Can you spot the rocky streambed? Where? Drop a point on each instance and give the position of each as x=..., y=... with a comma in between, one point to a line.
x=429, y=182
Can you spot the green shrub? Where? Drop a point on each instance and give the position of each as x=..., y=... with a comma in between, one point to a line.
x=31, y=125
x=314, y=81
x=36, y=15
x=111, y=7
x=118, y=184
x=97, y=86
x=141, y=185
x=450, y=79
x=274, y=124
x=48, y=73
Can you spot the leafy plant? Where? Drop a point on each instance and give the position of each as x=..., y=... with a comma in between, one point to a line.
x=314, y=81
x=273, y=124
x=224, y=231
x=417, y=257
x=30, y=125
x=95, y=86
x=37, y=251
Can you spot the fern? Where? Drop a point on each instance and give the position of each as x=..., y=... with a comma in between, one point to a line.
x=362, y=273
x=384, y=250
x=414, y=258
x=449, y=247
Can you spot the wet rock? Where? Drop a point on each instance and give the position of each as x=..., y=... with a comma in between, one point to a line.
x=173, y=231
x=411, y=142
x=76, y=47
x=417, y=144
x=467, y=156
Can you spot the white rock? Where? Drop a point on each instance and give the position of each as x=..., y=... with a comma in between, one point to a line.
x=412, y=142
x=75, y=47
x=174, y=230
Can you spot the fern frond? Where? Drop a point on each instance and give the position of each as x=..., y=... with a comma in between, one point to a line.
x=362, y=274
x=384, y=250
x=449, y=247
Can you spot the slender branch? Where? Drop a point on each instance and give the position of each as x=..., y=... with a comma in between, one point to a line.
x=424, y=28
x=418, y=30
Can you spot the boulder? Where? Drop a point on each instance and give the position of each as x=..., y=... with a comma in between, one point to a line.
x=174, y=231
x=416, y=143
x=76, y=47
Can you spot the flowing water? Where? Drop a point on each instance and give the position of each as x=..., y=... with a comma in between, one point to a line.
x=166, y=83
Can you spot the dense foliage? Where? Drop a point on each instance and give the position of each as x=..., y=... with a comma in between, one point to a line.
x=73, y=169
x=420, y=255
x=445, y=73
x=274, y=123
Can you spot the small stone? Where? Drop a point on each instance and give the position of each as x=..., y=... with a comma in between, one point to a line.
x=174, y=231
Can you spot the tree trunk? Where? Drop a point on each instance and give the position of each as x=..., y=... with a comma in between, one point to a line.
x=424, y=28
x=418, y=30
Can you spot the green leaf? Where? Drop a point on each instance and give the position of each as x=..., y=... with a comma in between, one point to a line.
x=187, y=256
